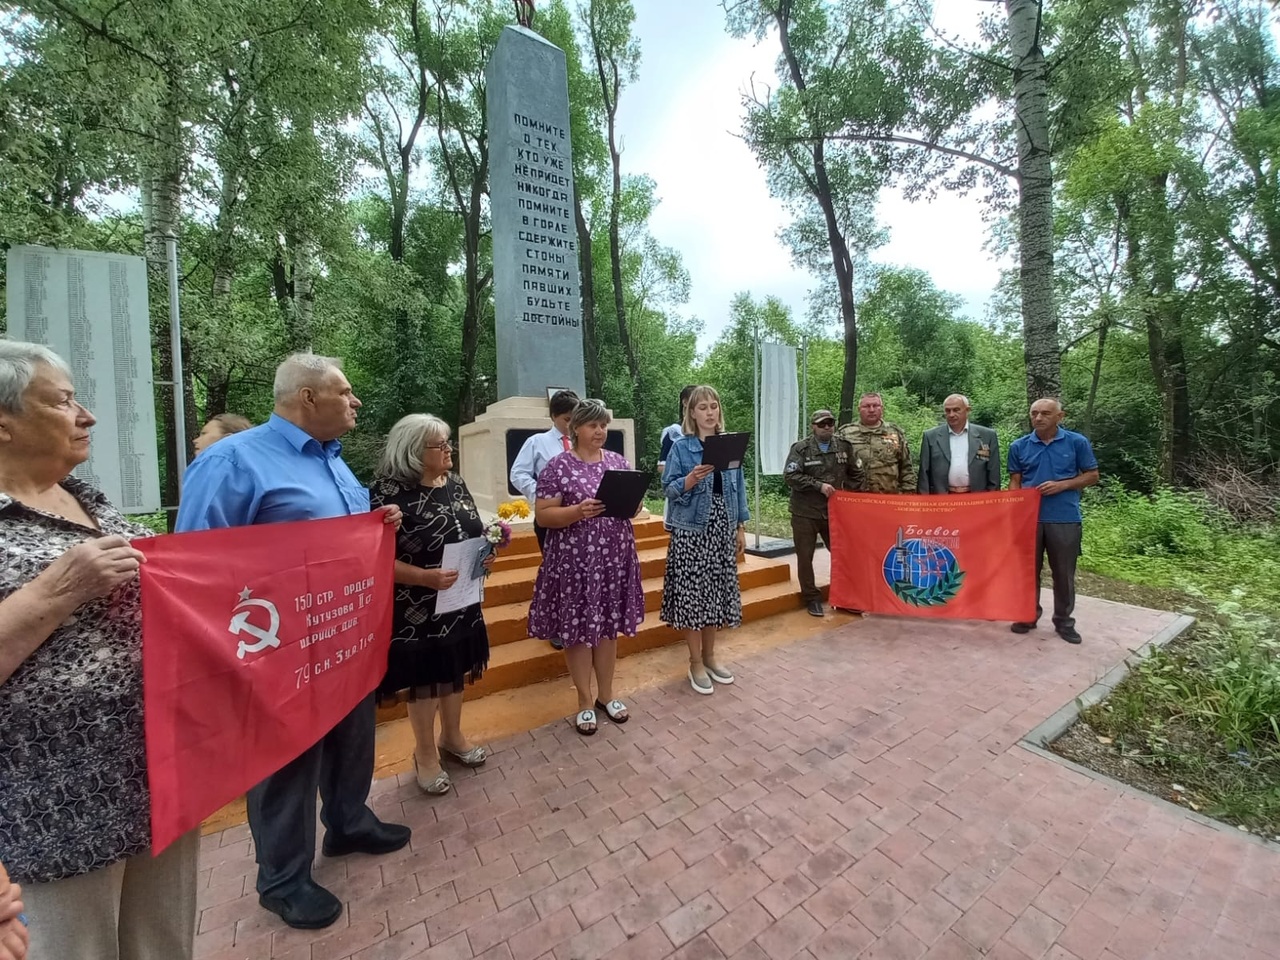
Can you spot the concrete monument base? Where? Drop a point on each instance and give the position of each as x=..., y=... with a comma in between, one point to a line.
x=484, y=448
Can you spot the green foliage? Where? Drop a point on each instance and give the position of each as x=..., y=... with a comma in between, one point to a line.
x=1205, y=714
x=1202, y=712
x=1174, y=539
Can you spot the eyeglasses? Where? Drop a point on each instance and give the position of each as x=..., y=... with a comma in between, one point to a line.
x=824, y=423
x=443, y=446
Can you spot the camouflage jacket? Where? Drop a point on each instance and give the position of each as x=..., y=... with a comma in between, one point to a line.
x=808, y=468
x=885, y=456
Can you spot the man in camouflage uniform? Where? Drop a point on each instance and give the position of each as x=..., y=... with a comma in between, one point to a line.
x=817, y=467
x=882, y=448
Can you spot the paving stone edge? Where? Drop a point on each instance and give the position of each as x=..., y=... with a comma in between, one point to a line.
x=1038, y=739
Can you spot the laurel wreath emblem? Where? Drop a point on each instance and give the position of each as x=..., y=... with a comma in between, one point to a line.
x=947, y=586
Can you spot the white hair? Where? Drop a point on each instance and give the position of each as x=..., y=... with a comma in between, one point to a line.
x=300, y=370
x=961, y=397
x=402, y=456
x=18, y=361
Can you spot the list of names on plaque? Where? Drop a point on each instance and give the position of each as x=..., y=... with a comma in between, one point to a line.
x=91, y=309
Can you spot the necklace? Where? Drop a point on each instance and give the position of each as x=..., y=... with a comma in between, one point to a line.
x=449, y=508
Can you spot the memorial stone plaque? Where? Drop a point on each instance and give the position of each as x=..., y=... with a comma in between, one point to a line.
x=91, y=309
x=538, y=319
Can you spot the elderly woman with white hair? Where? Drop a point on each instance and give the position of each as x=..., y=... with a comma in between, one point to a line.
x=74, y=805
x=432, y=657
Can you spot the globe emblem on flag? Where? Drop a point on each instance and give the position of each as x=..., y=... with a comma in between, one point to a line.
x=921, y=572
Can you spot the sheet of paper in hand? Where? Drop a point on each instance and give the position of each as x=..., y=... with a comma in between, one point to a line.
x=725, y=451
x=468, y=589
x=621, y=492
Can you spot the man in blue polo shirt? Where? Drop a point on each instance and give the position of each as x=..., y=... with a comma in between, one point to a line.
x=291, y=468
x=1059, y=464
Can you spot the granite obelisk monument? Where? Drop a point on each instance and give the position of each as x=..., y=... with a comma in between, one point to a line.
x=537, y=299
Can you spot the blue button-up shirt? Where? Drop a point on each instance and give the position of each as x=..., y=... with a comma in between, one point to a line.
x=1064, y=456
x=272, y=473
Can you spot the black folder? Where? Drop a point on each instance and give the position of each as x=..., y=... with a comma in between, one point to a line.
x=725, y=451
x=621, y=492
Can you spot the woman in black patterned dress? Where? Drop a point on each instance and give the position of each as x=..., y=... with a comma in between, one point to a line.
x=431, y=658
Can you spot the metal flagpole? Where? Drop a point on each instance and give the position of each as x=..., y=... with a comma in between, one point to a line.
x=756, y=382
x=175, y=345
x=804, y=383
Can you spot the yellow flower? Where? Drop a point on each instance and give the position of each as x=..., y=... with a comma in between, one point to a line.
x=513, y=509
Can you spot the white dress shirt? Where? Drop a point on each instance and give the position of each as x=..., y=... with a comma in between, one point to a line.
x=958, y=474
x=533, y=456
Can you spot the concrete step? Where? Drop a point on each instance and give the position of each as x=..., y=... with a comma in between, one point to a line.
x=523, y=550
x=516, y=660
x=507, y=622
x=522, y=662
x=515, y=585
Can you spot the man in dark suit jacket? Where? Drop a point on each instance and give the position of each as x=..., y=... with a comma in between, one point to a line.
x=959, y=456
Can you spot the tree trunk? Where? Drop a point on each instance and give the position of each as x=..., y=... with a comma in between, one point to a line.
x=282, y=283
x=475, y=284
x=1087, y=425
x=587, y=271
x=619, y=296
x=820, y=187
x=1035, y=199
x=299, y=331
x=1163, y=312
x=217, y=386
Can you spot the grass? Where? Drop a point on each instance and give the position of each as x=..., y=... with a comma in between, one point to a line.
x=1195, y=722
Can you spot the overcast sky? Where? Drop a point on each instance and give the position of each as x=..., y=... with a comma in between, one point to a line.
x=678, y=124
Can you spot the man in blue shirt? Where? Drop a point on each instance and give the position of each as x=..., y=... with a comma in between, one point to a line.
x=1059, y=464
x=290, y=468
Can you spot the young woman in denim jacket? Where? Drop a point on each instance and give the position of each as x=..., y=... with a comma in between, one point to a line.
x=707, y=513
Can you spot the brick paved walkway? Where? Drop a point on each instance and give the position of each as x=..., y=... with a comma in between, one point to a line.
x=861, y=794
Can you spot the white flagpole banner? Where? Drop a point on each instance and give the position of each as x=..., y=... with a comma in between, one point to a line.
x=91, y=309
x=779, y=406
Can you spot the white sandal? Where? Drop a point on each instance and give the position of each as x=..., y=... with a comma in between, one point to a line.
x=580, y=723
x=615, y=710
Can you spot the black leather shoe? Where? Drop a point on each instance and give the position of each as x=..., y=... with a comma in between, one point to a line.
x=557, y=643
x=1023, y=627
x=1069, y=634
x=383, y=838
x=310, y=907
x=815, y=608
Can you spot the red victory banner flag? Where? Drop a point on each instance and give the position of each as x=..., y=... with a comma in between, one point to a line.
x=966, y=556
x=256, y=641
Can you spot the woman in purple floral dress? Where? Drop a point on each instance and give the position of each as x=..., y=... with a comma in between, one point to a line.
x=588, y=588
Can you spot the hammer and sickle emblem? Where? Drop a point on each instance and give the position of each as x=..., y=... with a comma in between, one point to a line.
x=240, y=624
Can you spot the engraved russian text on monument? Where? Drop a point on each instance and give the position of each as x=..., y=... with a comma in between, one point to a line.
x=91, y=309
x=544, y=183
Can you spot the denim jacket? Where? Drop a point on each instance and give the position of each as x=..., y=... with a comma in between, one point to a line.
x=689, y=509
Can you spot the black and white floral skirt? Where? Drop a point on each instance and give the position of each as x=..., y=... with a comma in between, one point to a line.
x=701, y=584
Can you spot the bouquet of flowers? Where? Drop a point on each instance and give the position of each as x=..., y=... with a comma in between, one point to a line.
x=498, y=533
x=513, y=509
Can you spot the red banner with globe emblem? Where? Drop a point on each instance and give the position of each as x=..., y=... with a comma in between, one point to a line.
x=256, y=641
x=967, y=556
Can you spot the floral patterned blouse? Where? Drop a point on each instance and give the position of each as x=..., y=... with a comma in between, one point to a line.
x=73, y=776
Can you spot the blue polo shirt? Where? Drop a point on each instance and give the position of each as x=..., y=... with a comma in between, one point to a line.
x=272, y=473
x=1065, y=456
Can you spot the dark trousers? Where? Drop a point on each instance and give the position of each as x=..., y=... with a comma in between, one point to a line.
x=805, y=532
x=1061, y=541
x=282, y=808
x=541, y=534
